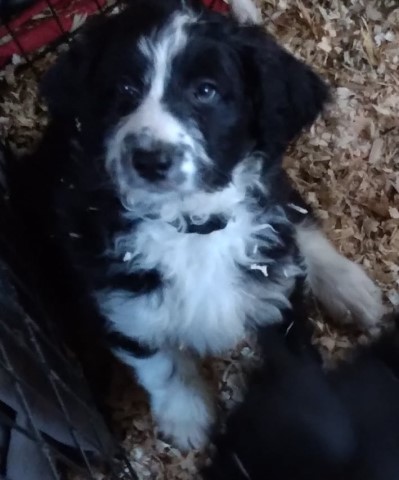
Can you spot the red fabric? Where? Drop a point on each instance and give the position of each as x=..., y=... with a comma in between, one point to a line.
x=35, y=30
x=218, y=5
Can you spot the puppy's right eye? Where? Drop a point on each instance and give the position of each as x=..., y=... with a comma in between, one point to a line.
x=128, y=89
x=127, y=97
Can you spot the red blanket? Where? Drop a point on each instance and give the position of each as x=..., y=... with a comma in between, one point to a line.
x=36, y=27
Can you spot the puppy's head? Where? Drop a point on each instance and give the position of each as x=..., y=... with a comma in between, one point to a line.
x=175, y=97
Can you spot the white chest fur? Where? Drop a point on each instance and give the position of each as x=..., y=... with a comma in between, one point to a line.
x=209, y=293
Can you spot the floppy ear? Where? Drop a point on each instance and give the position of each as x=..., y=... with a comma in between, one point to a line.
x=63, y=85
x=287, y=95
x=306, y=92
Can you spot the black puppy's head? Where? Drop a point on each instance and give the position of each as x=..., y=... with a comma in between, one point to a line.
x=177, y=98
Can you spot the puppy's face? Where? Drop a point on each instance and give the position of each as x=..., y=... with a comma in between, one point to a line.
x=180, y=116
x=177, y=97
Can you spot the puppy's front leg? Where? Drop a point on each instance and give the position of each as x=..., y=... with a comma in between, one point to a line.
x=180, y=400
x=341, y=285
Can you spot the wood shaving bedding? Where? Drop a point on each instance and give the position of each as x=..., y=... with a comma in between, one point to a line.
x=346, y=166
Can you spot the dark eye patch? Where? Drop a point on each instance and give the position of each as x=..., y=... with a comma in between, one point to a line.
x=208, y=71
x=128, y=89
x=127, y=93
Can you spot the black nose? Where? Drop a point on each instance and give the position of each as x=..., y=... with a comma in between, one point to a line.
x=151, y=164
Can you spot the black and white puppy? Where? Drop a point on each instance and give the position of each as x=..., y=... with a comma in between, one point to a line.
x=299, y=422
x=160, y=178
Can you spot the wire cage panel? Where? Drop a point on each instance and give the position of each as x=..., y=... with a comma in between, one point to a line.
x=29, y=29
x=48, y=419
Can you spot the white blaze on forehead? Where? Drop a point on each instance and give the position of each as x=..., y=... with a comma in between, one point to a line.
x=161, y=48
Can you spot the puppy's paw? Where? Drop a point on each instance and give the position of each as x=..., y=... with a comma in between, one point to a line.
x=186, y=415
x=344, y=288
x=246, y=11
x=341, y=285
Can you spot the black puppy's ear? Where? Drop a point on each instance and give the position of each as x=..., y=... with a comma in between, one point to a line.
x=287, y=95
x=63, y=85
x=306, y=92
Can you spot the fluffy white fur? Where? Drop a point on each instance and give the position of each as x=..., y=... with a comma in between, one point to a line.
x=203, y=304
x=180, y=400
x=341, y=286
x=246, y=11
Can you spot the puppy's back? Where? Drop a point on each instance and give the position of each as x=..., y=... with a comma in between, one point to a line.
x=369, y=387
x=291, y=424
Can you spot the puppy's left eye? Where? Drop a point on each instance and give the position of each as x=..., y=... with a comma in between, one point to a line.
x=205, y=92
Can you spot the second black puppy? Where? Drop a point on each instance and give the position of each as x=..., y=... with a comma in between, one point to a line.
x=298, y=422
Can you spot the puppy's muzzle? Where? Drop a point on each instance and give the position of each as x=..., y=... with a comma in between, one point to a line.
x=156, y=161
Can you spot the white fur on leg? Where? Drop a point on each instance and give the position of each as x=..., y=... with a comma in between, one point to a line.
x=180, y=400
x=246, y=11
x=341, y=285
